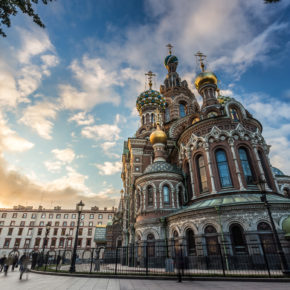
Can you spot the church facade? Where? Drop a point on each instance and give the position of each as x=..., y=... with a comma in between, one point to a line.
x=190, y=173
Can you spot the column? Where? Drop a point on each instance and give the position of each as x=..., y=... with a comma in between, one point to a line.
x=144, y=199
x=160, y=193
x=231, y=143
x=155, y=198
x=188, y=156
x=210, y=167
x=172, y=197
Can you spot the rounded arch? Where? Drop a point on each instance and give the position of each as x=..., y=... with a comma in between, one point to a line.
x=234, y=103
x=209, y=223
x=180, y=185
x=172, y=229
x=166, y=182
x=188, y=225
x=241, y=221
x=150, y=231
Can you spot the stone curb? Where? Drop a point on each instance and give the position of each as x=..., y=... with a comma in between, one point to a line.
x=173, y=278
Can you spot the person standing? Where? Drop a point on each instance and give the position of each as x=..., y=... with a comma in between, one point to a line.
x=14, y=262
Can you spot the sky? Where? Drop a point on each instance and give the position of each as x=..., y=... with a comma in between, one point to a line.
x=68, y=92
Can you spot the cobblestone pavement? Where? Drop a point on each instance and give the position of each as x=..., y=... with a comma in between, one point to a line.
x=46, y=282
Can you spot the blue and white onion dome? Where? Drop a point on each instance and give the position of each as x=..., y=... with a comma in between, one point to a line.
x=150, y=98
x=170, y=60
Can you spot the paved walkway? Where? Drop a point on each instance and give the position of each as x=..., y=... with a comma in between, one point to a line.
x=46, y=282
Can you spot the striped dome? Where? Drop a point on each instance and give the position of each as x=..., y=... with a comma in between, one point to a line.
x=150, y=98
x=170, y=59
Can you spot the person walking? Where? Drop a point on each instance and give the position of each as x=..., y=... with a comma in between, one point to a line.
x=2, y=262
x=14, y=262
x=7, y=263
x=24, y=266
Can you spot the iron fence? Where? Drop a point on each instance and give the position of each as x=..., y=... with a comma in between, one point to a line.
x=255, y=260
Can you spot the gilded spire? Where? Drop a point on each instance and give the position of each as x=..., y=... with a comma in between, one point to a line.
x=201, y=57
x=169, y=46
x=150, y=75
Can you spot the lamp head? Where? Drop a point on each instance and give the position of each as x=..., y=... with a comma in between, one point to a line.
x=80, y=206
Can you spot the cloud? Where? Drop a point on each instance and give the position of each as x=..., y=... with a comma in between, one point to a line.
x=65, y=155
x=10, y=141
x=104, y=132
x=53, y=166
x=39, y=117
x=82, y=119
x=109, y=168
x=95, y=82
x=107, y=146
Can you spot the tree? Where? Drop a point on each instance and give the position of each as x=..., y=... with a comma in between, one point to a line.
x=11, y=7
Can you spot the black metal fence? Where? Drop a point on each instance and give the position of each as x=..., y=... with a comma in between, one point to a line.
x=152, y=259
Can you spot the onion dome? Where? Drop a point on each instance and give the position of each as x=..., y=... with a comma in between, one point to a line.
x=205, y=78
x=150, y=98
x=277, y=172
x=158, y=136
x=170, y=61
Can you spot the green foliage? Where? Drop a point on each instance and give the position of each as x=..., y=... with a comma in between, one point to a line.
x=11, y=7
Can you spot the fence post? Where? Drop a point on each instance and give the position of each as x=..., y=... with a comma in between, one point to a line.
x=116, y=260
x=265, y=259
x=46, y=260
x=179, y=264
x=92, y=257
x=146, y=261
x=222, y=260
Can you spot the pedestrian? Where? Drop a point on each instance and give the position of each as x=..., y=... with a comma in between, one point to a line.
x=7, y=263
x=2, y=262
x=58, y=261
x=14, y=262
x=34, y=260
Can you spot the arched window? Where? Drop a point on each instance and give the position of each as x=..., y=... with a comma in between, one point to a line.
x=179, y=196
x=167, y=114
x=266, y=238
x=143, y=120
x=223, y=168
x=176, y=241
x=262, y=159
x=182, y=110
x=234, y=114
x=152, y=118
x=202, y=178
x=151, y=245
x=188, y=182
x=211, y=240
x=149, y=195
x=238, y=239
x=166, y=194
x=286, y=192
x=138, y=200
x=147, y=118
x=248, y=174
x=190, y=242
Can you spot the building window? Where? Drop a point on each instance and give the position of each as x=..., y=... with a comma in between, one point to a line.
x=90, y=224
x=89, y=242
x=190, y=241
x=17, y=243
x=137, y=159
x=69, y=242
x=71, y=232
x=82, y=216
x=55, y=232
x=202, y=178
x=4, y=215
x=167, y=114
x=90, y=231
x=58, y=216
x=22, y=223
x=64, y=224
x=109, y=216
x=149, y=195
x=12, y=223
x=262, y=159
x=137, y=168
x=72, y=224
x=6, y=243
x=266, y=238
x=41, y=224
x=182, y=110
x=43, y=216
x=31, y=224
x=10, y=231
x=166, y=194
x=51, y=215
x=39, y=232
x=14, y=215
x=100, y=216
x=151, y=245
x=238, y=239
x=20, y=231
x=57, y=224
x=246, y=166
x=37, y=242
x=100, y=223
x=223, y=168
x=81, y=224
x=91, y=216
x=211, y=240
x=73, y=216
x=152, y=118
x=29, y=232
x=61, y=242
x=79, y=242
x=24, y=215
x=1, y=223
x=234, y=114
x=53, y=242
x=27, y=243
x=80, y=232
x=63, y=232
x=33, y=216
x=65, y=216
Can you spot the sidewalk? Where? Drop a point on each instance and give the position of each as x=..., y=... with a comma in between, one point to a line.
x=47, y=282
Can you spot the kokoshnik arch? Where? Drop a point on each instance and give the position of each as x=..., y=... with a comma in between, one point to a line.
x=190, y=173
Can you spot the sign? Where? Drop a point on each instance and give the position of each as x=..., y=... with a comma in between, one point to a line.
x=100, y=234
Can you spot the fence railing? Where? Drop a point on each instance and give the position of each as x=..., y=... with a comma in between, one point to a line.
x=152, y=259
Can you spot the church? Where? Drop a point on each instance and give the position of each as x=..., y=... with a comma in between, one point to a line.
x=191, y=173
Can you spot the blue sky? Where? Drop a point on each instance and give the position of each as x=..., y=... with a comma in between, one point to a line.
x=68, y=92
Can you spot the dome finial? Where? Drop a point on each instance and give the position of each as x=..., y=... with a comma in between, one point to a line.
x=201, y=57
x=150, y=75
x=169, y=48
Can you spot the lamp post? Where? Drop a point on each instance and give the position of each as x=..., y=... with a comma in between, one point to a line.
x=47, y=229
x=262, y=187
x=79, y=209
x=65, y=247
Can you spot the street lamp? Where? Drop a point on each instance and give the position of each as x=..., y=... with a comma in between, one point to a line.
x=47, y=229
x=79, y=209
x=262, y=187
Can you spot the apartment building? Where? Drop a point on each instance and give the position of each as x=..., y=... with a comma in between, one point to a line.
x=25, y=227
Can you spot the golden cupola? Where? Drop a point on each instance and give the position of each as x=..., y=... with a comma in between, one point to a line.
x=158, y=136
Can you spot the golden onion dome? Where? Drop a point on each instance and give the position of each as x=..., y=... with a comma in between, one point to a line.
x=158, y=136
x=205, y=78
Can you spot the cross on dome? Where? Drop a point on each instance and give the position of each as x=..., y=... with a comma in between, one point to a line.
x=201, y=57
x=169, y=46
x=150, y=75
